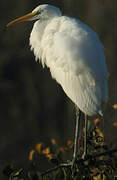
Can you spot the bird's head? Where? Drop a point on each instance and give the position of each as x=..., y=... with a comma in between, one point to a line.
x=42, y=12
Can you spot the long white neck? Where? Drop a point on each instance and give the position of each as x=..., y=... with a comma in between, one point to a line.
x=36, y=37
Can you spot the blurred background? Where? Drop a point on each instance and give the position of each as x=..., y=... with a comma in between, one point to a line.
x=33, y=107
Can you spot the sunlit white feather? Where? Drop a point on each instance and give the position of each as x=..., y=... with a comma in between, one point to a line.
x=75, y=57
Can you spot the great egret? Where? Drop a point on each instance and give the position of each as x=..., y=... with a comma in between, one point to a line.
x=75, y=57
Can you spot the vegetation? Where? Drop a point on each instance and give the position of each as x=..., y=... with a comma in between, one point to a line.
x=100, y=163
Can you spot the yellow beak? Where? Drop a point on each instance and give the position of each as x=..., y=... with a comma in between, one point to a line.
x=21, y=19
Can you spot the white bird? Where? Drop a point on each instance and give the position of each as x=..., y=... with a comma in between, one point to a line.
x=75, y=56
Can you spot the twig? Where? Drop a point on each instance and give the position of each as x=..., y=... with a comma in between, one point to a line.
x=105, y=153
x=55, y=168
x=97, y=155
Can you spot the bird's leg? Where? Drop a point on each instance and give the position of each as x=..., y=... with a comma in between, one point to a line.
x=76, y=140
x=77, y=133
x=85, y=137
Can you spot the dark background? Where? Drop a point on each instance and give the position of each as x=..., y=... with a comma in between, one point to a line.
x=33, y=107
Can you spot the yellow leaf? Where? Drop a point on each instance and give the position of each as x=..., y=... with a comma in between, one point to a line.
x=31, y=154
x=46, y=151
x=96, y=121
x=69, y=144
x=39, y=147
x=115, y=124
x=49, y=156
x=115, y=106
x=63, y=149
x=53, y=141
x=99, y=132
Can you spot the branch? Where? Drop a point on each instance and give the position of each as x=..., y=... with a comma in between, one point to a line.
x=55, y=168
x=105, y=153
x=77, y=161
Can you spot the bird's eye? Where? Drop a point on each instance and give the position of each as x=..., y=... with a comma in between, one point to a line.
x=39, y=12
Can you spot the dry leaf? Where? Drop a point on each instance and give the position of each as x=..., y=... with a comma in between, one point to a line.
x=115, y=124
x=38, y=147
x=115, y=106
x=46, y=151
x=49, y=156
x=69, y=144
x=99, y=132
x=31, y=154
x=53, y=141
x=96, y=121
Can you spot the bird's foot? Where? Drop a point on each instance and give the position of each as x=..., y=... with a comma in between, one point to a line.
x=72, y=165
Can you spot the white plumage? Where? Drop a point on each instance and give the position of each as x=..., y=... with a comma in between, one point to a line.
x=74, y=55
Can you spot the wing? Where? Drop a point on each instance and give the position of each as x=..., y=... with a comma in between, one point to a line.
x=88, y=98
x=80, y=68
